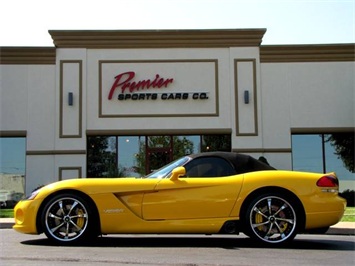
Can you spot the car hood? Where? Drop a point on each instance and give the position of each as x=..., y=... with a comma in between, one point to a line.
x=99, y=185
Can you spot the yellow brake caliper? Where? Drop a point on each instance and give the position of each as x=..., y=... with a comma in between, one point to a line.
x=80, y=220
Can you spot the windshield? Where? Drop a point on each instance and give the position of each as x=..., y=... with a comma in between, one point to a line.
x=166, y=170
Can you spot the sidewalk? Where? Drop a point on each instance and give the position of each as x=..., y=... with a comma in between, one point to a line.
x=342, y=228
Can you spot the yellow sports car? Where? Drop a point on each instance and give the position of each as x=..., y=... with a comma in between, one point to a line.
x=207, y=193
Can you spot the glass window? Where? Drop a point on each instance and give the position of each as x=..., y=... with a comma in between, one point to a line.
x=326, y=153
x=216, y=143
x=115, y=156
x=167, y=169
x=339, y=155
x=209, y=167
x=12, y=170
x=119, y=156
x=102, y=156
x=13, y=155
x=131, y=155
x=185, y=145
x=159, y=141
x=307, y=153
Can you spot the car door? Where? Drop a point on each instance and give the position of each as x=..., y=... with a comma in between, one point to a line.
x=205, y=192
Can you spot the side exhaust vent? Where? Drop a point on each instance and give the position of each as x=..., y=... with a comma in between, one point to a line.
x=230, y=227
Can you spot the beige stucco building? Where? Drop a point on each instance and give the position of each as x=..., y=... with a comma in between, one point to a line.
x=167, y=82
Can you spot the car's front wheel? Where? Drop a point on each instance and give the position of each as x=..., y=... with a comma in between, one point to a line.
x=66, y=218
x=271, y=219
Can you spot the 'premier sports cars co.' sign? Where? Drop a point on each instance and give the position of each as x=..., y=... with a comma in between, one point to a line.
x=129, y=87
x=158, y=88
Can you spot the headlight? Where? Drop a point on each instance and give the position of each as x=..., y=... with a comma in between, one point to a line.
x=34, y=193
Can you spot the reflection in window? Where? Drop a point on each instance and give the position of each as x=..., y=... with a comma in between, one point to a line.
x=12, y=155
x=12, y=170
x=136, y=156
x=307, y=153
x=159, y=141
x=342, y=146
x=131, y=155
x=216, y=143
x=325, y=153
x=114, y=156
x=185, y=145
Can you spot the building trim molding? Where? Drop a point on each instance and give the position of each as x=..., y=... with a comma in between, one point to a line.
x=321, y=130
x=157, y=38
x=56, y=152
x=263, y=150
x=152, y=132
x=177, y=39
x=13, y=133
x=62, y=103
x=27, y=55
x=70, y=168
x=254, y=101
x=307, y=53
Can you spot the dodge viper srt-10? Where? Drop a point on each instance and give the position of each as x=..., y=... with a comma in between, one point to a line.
x=206, y=193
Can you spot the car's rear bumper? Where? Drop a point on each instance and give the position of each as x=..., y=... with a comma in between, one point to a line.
x=328, y=216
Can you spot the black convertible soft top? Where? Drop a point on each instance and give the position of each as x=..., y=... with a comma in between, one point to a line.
x=242, y=163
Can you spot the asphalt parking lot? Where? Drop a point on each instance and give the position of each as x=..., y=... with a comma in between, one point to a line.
x=342, y=228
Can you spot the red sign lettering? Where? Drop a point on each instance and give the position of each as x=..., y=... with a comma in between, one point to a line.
x=125, y=81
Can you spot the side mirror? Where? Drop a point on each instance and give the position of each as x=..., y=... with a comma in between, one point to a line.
x=177, y=172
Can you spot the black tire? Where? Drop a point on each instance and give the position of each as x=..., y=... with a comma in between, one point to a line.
x=67, y=218
x=272, y=219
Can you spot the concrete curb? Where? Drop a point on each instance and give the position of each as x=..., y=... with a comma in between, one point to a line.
x=6, y=223
x=342, y=228
x=340, y=231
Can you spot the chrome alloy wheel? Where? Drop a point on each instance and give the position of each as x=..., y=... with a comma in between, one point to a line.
x=66, y=219
x=273, y=220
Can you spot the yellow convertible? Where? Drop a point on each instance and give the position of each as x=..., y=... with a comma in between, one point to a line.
x=207, y=193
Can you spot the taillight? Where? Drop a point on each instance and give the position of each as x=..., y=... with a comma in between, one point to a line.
x=328, y=181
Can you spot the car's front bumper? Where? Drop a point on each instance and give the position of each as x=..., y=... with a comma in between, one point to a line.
x=25, y=213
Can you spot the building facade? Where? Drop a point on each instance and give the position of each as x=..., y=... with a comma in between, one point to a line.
x=136, y=99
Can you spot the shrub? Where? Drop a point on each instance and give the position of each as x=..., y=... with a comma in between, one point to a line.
x=349, y=195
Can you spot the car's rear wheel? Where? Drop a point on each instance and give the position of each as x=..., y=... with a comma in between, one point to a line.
x=66, y=218
x=272, y=219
